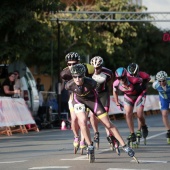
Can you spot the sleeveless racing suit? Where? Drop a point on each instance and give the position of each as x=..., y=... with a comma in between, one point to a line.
x=102, y=88
x=164, y=93
x=133, y=91
x=86, y=95
x=66, y=76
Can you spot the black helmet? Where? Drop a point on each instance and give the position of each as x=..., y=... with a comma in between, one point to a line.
x=72, y=56
x=78, y=69
x=133, y=69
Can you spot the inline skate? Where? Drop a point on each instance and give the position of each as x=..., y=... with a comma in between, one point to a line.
x=90, y=153
x=168, y=136
x=130, y=152
x=132, y=141
x=76, y=144
x=138, y=137
x=96, y=139
x=82, y=147
x=114, y=143
x=144, y=133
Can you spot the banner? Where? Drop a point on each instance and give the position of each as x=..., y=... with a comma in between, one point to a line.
x=151, y=103
x=14, y=111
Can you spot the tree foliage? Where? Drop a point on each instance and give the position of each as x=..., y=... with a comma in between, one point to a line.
x=28, y=34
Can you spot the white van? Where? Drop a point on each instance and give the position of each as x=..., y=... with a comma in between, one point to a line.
x=30, y=92
x=28, y=84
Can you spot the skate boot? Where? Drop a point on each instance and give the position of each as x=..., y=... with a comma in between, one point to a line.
x=168, y=136
x=114, y=143
x=90, y=153
x=144, y=133
x=131, y=139
x=76, y=141
x=130, y=152
x=76, y=144
x=138, y=136
x=96, y=139
x=82, y=145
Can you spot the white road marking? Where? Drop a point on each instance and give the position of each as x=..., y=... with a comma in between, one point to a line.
x=159, y=134
x=125, y=169
x=11, y=162
x=51, y=167
x=151, y=161
x=77, y=158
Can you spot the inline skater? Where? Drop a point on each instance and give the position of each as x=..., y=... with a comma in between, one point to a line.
x=133, y=94
x=133, y=70
x=162, y=85
x=102, y=76
x=73, y=58
x=85, y=95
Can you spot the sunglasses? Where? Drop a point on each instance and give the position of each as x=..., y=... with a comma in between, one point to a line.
x=120, y=78
x=162, y=81
x=71, y=64
x=78, y=77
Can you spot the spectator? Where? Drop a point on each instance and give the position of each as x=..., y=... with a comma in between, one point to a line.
x=40, y=87
x=8, y=86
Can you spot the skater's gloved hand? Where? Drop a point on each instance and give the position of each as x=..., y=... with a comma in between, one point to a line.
x=120, y=106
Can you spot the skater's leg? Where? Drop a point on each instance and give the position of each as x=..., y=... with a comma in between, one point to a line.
x=165, y=119
x=129, y=117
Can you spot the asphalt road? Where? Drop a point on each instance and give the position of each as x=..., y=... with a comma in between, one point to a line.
x=53, y=150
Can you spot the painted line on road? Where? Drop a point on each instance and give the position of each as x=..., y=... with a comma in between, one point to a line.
x=153, y=136
x=51, y=167
x=11, y=162
x=125, y=169
x=150, y=161
x=77, y=158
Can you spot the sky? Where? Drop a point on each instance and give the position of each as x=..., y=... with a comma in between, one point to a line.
x=158, y=6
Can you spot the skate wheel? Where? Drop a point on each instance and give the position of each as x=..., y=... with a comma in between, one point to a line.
x=138, y=141
x=75, y=149
x=134, y=145
x=135, y=159
x=111, y=147
x=144, y=141
x=131, y=144
x=81, y=151
x=91, y=158
x=97, y=145
x=168, y=140
x=118, y=151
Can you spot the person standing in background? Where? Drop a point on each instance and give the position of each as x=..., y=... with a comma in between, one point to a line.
x=8, y=86
x=40, y=87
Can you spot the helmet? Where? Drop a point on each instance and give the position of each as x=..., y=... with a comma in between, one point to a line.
x=96, y=61
x=120, y=72
x=161, y=75
x=72, y=56
x=78, y=69
x=133, y=69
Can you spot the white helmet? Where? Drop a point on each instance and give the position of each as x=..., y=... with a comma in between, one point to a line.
x=161, y=75
x=96, y=61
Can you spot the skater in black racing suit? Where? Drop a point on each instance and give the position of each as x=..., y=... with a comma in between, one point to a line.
x=85, y=95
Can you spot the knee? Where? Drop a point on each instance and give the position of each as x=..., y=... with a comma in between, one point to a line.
x=128, y=114
x=83, y=123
